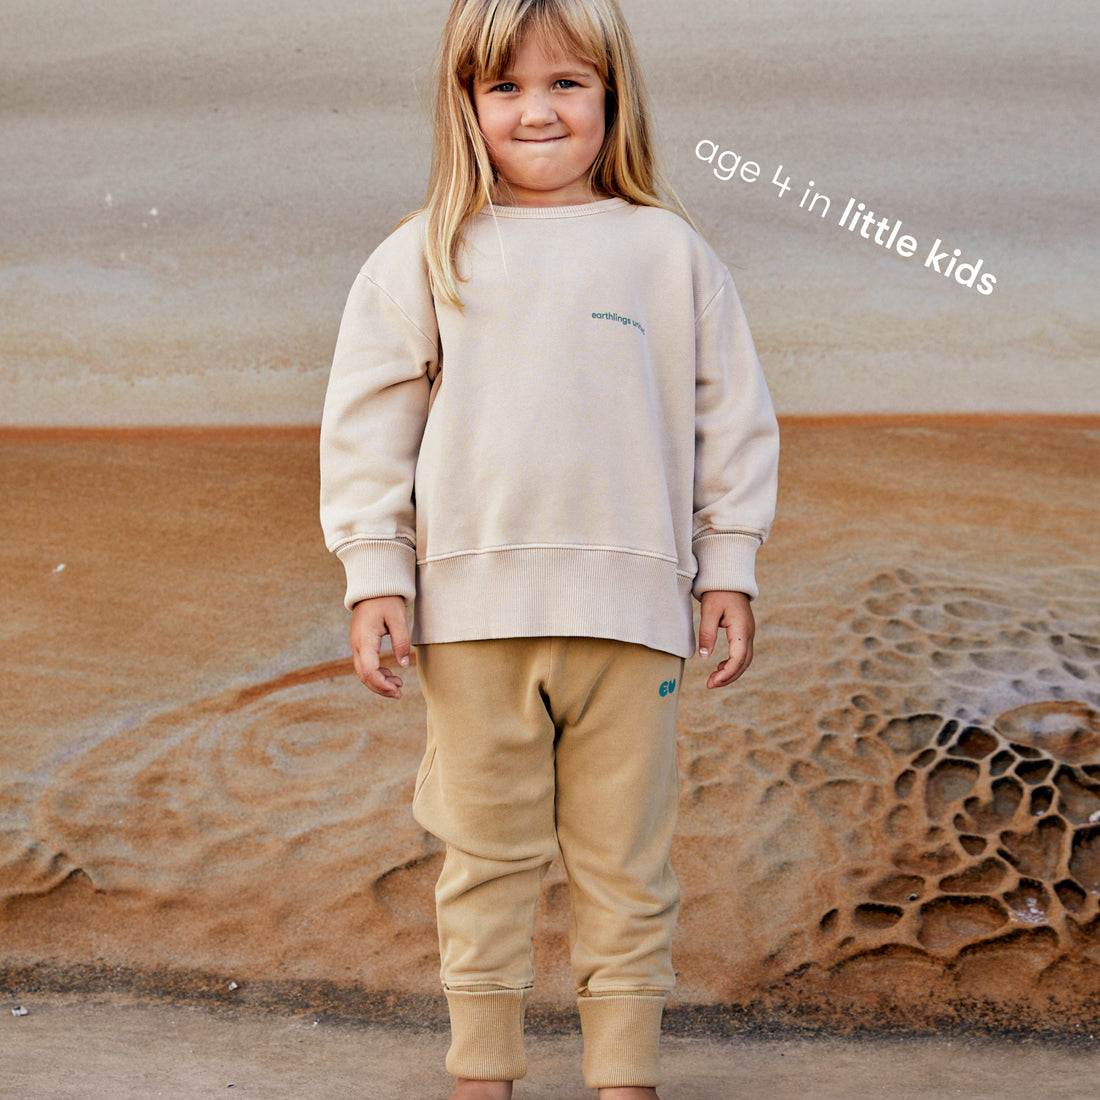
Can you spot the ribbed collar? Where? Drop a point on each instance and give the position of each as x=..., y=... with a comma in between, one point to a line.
x=580, y=211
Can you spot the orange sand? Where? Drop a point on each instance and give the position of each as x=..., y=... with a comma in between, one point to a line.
x=891, y=821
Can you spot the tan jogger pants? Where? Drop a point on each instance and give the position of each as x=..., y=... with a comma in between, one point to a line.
x=536, y=745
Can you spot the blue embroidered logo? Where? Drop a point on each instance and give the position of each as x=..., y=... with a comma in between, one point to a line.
x=668, y=687
x=619, y=318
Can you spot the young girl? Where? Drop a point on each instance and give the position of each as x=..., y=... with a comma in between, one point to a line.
x=546, y=424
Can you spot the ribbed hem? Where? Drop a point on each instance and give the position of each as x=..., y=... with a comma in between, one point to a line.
x=621, y=1041
x=487, y=1034
x=533, y=592
x=378, y=567
x=727, y=563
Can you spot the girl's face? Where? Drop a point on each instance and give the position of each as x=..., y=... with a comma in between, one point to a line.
x=543, y=123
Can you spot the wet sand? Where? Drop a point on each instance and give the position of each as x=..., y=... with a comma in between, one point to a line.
x=890, y=823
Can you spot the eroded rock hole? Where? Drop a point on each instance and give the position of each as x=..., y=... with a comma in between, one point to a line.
x=1084, y=862
x=1029, y=901
x=908, y=735
x=1077, y=801
x=898, y=888
x=982, y=878
x=1039, y=853
x=887, y=606
x=918, y=860
x=1071, y=895
x=897, y=631
x=874, y=918
x=1034, y=771
x=1042, y=798
x=945, y=735
x=979, y=612
x=903, y=785
x=974, y=744
x=947, y=783
x=950, y=922
x=1006, y=796
x=973, y=845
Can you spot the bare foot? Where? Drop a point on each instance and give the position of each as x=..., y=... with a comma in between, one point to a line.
x=482, y=1090
x=631, y=1093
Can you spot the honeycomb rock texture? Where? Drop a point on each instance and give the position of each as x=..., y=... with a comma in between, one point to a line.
x=947, y=831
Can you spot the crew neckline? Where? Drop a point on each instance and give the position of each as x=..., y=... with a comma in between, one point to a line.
x=578, y=211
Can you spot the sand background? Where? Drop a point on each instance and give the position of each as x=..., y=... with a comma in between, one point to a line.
x=189, y=191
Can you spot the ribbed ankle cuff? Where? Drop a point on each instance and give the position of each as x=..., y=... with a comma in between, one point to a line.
x=621, y=1040
x=487, y=1034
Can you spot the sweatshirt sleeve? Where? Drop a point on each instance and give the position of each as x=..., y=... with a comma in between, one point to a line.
x=374, y=416
x=736, y=449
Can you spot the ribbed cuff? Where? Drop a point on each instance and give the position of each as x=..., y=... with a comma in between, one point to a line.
x=487, y=1034
x=621, y=1041
x=727, y=563
x=378, y=567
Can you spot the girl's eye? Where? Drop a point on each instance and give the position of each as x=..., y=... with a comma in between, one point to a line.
x=507, y=86
x=566, y=83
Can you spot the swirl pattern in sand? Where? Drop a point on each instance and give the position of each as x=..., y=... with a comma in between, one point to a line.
x=251, y=814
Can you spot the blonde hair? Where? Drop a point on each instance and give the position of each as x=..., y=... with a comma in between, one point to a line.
x=480, y=41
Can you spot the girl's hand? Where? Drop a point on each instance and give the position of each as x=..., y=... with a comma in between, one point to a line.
x=733, y=611
x=371, y=621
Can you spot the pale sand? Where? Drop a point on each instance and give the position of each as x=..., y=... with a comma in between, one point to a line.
x=87, y=1049
x=189, y=190
x=888, y=823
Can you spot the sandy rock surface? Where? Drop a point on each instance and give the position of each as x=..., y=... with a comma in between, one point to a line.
x=893, y=820
x=189, y=191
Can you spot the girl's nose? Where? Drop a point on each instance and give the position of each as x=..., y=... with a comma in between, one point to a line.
x=537, y=109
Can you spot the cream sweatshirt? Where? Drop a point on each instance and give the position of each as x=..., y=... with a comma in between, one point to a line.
x=586, y=444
